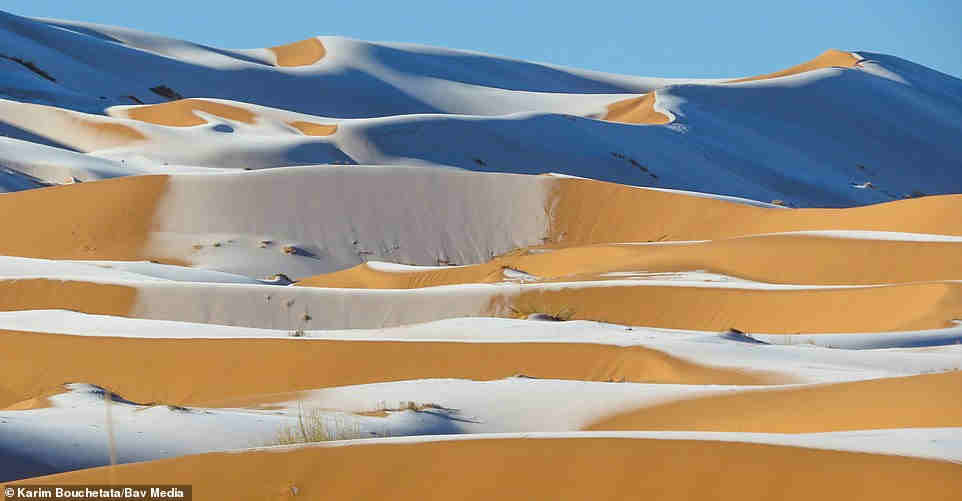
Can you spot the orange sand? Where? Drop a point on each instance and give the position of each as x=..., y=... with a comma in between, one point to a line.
x=526, y=469
x=931, y=400
x=109, y=219
x=303, y=53
x=197, y=371
x=313, y=129
x=789, y=259
x=831, y=58
x=637, y=110
x=873, y=309
x=180, y=113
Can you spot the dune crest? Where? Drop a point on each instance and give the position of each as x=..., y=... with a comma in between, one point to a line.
x=39, y=361
x=586, y=212
x=110, y=219
x=83, y=131
x=180, y=113
x=716, y=309
x=832, y=58
x=637, y=110
x=303, y=53
x=313, y=129
x=545, y=468
x=926, y=401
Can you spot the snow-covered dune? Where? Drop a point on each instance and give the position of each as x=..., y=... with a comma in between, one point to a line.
x=600, y=286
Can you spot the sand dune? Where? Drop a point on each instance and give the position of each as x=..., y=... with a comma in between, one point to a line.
x=639, y=110
x=303, y=53
x=930, y=400
x=786, y=259
x=313, y=129
x=45, y=294
x=832, y=58
x=180, y=113
x=197, y=371
x=82, y=131
x=543, y=468
x=689, y=306
x=105, y=220
x=581, y=212
x=588, y=212
x=870, y=309
x=457, y=272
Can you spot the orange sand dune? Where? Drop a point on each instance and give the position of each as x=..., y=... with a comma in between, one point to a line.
x=46, y=294
x=791, y=259
x=557, y=468
x=109, y=219
x=313, y=129
x=637, y=110
x=80, y=131
x=180, y=113
x=197, y=371
x=831, y=58
x=303, y=53
x=106, y=133
x=364, y=277
x=871, y=309
x=931, y=400
x=589, y=212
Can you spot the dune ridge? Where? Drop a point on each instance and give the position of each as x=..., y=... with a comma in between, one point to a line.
x=180, y=113
x=303, y=53
x=638, y=110
x=779, y=259
x=832, y=58
x=153, y=370
x=313, y=129
x=83, y=131
x=924, y=401
x=112, y=219
x=905, y=306
x=590, y=212
x=396, y=240
x=545, y=468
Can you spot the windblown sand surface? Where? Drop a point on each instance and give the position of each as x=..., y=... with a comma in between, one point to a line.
x=831, y=58
x=870, y=309
x=153, y=370
x=927, y=401
x=696, y=311
x=588, y=212
x=45, y=294
x=639, y=110
x=313, y=129
x=111, y=219
x=303, y=53
x=523, y=469
x=785, y=259
x=180, y=113
x=77, y=130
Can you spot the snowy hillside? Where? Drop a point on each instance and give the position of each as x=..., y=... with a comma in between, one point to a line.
x=500, y=278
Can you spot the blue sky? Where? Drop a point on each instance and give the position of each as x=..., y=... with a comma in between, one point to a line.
x=666, y=38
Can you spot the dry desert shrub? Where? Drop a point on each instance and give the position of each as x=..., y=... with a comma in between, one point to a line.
x=313, y=426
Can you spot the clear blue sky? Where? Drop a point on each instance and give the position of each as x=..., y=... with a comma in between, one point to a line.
x=664, y=38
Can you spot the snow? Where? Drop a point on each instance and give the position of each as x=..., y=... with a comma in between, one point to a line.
x=797, y=139
x=431, y=143
x=511, y=408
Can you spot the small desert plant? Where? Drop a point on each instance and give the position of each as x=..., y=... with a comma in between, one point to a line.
x=533, y=312
x=313, y=426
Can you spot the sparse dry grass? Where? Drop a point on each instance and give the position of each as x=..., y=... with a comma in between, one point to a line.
x=541, y=312
x=313, y=426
